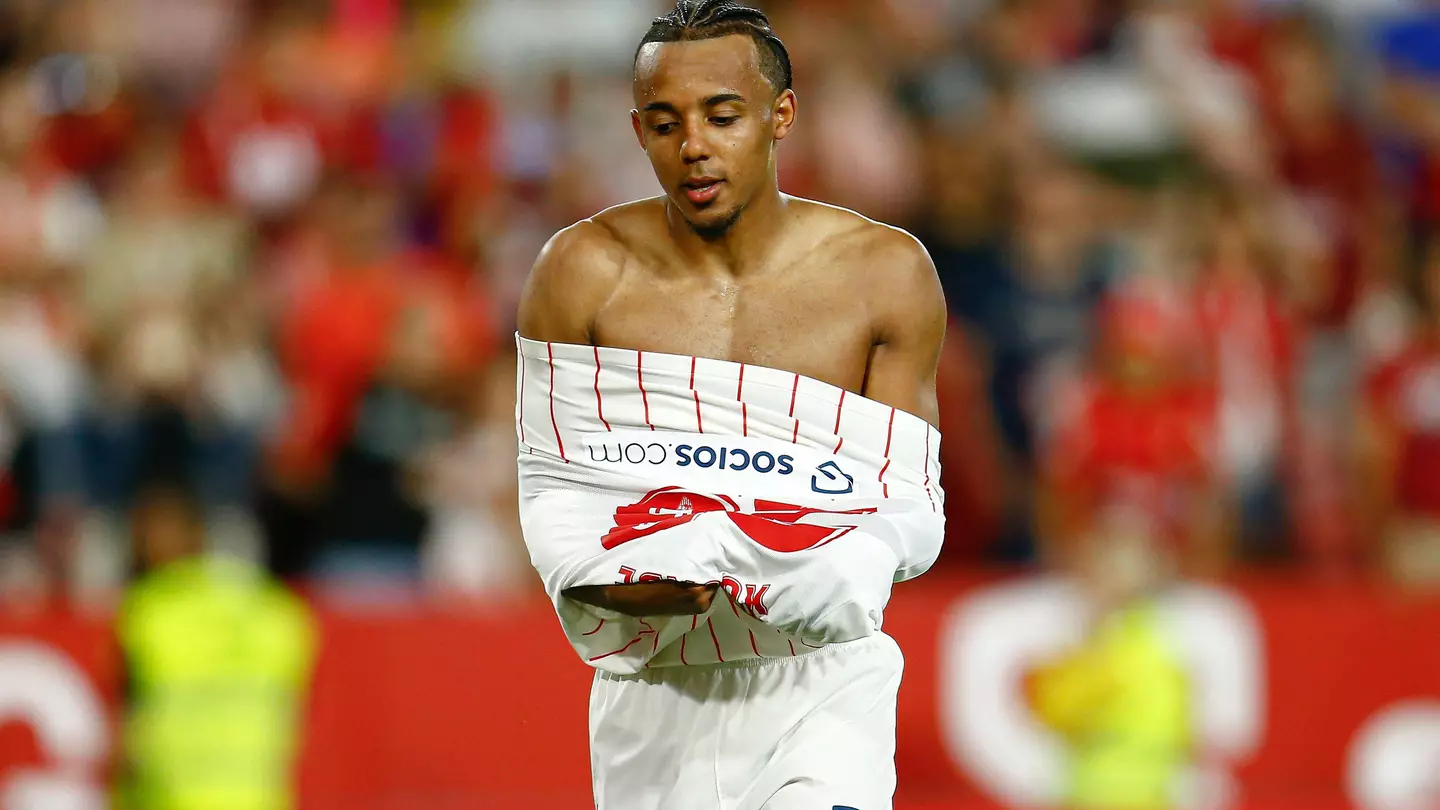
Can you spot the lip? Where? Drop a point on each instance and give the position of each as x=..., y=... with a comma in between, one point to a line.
x=702, y=190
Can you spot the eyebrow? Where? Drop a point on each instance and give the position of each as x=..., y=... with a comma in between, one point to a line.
x=663, y=106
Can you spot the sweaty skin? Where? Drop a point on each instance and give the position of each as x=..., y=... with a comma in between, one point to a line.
x=724, y=266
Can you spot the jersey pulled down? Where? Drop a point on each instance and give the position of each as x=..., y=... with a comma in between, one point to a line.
x=802, y=501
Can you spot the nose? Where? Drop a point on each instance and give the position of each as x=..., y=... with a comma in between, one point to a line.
x=695, y=148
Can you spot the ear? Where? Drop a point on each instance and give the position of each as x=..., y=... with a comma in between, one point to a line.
x=783, y=114
x=638, y=127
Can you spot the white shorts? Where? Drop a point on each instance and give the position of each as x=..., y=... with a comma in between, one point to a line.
x=816, y=732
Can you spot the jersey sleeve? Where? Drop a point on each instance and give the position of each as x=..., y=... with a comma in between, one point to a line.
x=824, y=577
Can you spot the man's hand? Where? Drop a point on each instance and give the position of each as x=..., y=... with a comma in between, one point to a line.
x=648, y=598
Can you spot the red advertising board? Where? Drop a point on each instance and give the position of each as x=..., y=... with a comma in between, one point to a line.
x=1307, y=697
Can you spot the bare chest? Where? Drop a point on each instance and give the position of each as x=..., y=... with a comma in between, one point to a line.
x=799, y=323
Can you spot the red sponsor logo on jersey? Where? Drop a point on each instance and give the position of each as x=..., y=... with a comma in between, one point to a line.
x=662, y=509
x=774, y=525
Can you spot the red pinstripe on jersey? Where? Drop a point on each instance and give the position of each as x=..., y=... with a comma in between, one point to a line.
x=596, y=630
x=794, y=389
x=558, y=442
x=656, y=636
x=927, y=468
x=699, y=422
x=889, y=432
x=716, y=639
x=599, y=406
x=640, y=380
x=632, y=643
x=744, y=409
x=522, y=401
x=694, y=621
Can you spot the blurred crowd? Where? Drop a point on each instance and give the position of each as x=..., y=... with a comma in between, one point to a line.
x=267, y=253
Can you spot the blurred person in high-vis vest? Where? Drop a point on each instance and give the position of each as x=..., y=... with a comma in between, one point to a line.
x=1120, y=699
x=218, y=660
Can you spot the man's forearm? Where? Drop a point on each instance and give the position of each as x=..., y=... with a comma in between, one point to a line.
x=647, y=598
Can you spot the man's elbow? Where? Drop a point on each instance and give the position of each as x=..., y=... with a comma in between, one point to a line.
x=648, y=598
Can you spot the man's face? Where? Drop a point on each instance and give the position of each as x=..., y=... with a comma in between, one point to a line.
x=164, y=530
x=709, y=120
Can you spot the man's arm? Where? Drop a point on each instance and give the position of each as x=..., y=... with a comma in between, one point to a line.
x=575, y=274
x=573, y=277
x=909, y=319
x=643, y=599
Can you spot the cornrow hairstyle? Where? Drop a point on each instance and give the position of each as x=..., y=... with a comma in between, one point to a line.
x=693, y=20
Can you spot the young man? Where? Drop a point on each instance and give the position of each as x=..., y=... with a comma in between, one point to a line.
x=726, y=400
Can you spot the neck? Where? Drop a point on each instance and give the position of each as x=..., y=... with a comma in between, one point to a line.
x=742, y=248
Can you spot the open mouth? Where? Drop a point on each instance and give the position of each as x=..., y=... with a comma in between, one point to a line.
x=702, y=190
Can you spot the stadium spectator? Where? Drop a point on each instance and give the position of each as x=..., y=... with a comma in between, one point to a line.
x=1250, y=335
x=1134, y=439
x=1120, y=700
x=218, y=660
x=1401, y=440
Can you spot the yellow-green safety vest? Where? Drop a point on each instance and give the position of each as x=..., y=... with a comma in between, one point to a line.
x=220, y=659
x=1123, y=702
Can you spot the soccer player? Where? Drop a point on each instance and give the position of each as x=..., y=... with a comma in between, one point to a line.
x=726, y=401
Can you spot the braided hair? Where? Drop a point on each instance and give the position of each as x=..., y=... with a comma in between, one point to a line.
x=693, y=20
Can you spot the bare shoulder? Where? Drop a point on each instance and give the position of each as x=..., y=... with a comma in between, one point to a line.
x=577, y=271
x=878, y=259
x=570, y=281
x=633, y=222
x=891, y=274
x=601, y=244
